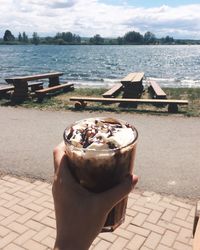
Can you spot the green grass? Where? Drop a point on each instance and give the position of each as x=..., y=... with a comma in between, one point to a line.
x=61, y=102
x=190, y=94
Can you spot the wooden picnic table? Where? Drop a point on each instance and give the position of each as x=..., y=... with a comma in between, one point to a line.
x=21, y=83
x=132, y=87
x=132, y=84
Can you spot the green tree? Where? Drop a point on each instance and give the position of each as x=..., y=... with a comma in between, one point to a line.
x=65, y=36
x=68, y=37
x=167, y=40
x=20, y=37
x=58, y=35
x=60, y=41
x=149, y=37
x=133, y=37
x=120, y=40
x=111, y=41
x=25, y=37
x=35, y=38
x=77, y=39
x=8, y=36
x=97, y=40
x=47, y=40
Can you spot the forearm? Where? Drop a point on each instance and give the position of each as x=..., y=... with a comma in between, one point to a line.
x=71, y=235
x=61, y=244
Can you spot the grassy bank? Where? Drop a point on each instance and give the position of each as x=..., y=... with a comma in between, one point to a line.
x=61, y=102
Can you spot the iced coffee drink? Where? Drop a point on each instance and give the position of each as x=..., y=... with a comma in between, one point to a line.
x=101, y=153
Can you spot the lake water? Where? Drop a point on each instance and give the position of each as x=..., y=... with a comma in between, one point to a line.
x=171, y=66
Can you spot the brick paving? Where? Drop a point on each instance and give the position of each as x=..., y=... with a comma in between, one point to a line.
x=153, y=221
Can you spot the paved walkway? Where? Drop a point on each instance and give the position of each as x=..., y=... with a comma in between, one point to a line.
x=167, y=158
x=153, y=221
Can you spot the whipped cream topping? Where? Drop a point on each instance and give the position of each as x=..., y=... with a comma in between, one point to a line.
x=100, y=134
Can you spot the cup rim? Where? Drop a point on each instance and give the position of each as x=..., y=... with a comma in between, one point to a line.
x=68, y=144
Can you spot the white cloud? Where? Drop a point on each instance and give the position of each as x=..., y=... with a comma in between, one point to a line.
x=89, y=17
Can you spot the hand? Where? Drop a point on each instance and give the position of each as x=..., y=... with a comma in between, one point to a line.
x=80, y=214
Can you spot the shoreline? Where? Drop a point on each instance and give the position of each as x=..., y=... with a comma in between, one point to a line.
x=108, y=82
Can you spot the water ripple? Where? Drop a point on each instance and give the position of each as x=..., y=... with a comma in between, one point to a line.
x=174, y=66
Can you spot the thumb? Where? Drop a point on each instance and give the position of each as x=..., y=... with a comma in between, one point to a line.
x=112, y=196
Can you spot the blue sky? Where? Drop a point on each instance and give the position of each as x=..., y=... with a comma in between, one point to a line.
x=150, y=3
x=109, y=18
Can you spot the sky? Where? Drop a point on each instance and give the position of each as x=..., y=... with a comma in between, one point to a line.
x=109, y=18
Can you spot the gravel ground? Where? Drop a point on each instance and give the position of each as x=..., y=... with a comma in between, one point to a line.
x=168, y=150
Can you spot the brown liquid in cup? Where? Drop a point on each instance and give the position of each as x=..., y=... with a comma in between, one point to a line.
x=101, y=171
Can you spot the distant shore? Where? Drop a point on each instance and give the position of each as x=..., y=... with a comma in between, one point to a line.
x=67, y=38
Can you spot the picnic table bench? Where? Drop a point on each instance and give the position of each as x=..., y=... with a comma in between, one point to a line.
x=21, y=83
x=41, y=93
x=33, y=86
x=4, y=90
x=156, y=90
x=113, y=91
x=80, y=102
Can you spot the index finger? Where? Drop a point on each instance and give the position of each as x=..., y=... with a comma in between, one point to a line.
x=58, y=154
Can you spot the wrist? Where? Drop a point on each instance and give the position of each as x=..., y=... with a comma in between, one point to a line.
x=66, y=244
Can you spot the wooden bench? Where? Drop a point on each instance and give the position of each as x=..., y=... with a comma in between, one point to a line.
x=34, y=86
x=113, y=91
x=196, y=228
x=156, y=90
x=65, y=87
x=172, y=104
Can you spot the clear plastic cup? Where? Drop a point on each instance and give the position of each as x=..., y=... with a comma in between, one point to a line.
x=100, y=170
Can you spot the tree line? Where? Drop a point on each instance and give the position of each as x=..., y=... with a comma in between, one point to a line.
x=68, y=38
